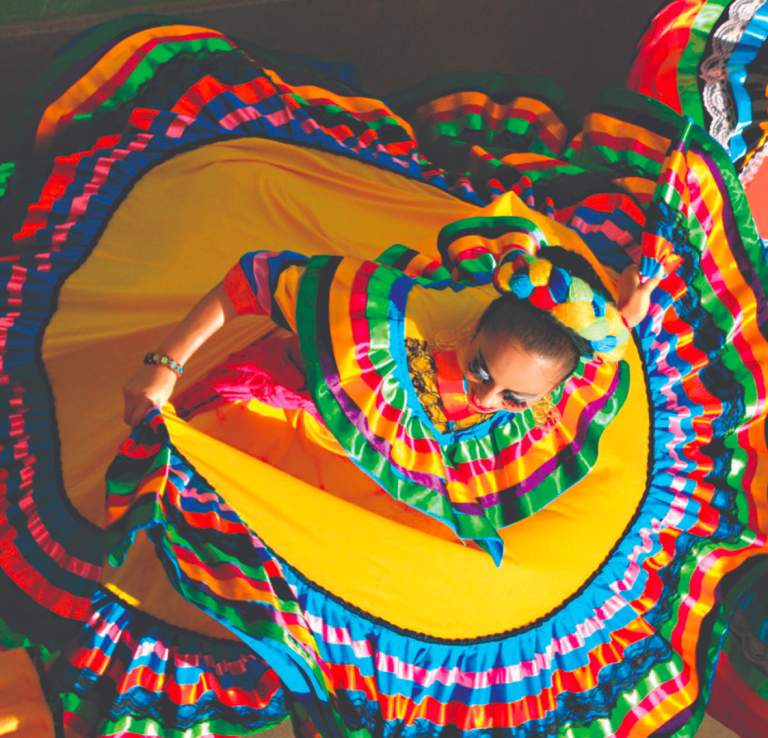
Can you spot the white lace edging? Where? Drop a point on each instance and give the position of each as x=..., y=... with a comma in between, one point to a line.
x=713, y=70
x=750, y=171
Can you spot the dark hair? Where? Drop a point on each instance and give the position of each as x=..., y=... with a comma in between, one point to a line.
x=537, y=330
x=576, y=265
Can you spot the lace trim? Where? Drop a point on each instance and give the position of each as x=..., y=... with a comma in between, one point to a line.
x=755, y=162
x=713, y=72
x=423, y=371
x=421, y=367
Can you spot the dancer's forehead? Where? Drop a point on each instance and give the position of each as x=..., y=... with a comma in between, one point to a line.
x=526, y=373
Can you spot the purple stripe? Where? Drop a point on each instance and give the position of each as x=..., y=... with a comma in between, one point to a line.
x=573, y=449
x=359, y=420
x=738, y=250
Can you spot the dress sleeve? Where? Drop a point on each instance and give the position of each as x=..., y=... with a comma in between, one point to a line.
x=267, y=283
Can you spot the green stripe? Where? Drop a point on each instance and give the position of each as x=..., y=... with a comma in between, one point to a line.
x=503, y=87
x=487, y=226
x=576, y=468
x=688, y=67
x=431, y=502
x=91, y=711
x=195, y=591
x=333, y=109
x=625, y=702
x=7, y=170
x=736, y=198
x=621, y=162
x=713, y=629
x=147, y=69
x=150, y=63
x=735, y=473
x=474, y=122
x=312, y=302
x=97, y=39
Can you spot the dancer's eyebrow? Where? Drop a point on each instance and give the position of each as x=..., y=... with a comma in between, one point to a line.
x=484, y=365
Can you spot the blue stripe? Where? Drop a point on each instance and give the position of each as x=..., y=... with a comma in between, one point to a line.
x=743, y=55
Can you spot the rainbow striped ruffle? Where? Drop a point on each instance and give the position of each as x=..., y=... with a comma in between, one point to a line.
x=477, y=480
x=126, y=673
x=632, y=653
x=705, y=58
x=621, y=647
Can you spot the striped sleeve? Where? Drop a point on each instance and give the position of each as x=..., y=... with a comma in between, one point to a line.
x=413, y=263
x=266, y=283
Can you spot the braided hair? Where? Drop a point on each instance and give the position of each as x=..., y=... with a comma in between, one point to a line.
x=537, y=330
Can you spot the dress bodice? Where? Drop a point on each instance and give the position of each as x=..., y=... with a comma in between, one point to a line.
x=355, y=321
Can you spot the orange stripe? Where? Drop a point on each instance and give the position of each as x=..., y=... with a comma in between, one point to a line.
x=87, y=88
x=602, y=123
x=359, y=391
x=362, y=105
x=471, y=717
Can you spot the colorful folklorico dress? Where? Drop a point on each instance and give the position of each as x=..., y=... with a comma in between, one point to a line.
x=311, y=531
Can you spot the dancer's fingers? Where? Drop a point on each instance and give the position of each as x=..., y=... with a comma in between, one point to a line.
x=150, y=386
x=649, y=285
x=135, y=411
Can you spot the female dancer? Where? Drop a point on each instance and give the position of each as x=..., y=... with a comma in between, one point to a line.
x=513, y=359
x=262, y=573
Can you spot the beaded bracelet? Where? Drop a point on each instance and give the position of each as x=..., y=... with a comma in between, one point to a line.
x=153, y=357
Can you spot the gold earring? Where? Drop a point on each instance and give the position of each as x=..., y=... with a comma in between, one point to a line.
x=545, y=412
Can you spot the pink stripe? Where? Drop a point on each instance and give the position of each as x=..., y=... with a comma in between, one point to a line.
x=100, y=174
x=608, y=228
x=657, y=696
x=697, y=203
x=540, y=662
x=280, y=117
x=27, y=504
x=238, y=117
x=693, y=598
x=466, y=471
x=119, y=76
x=177, y=127
x=650, y=539
x=120, y=632
x=260, y=272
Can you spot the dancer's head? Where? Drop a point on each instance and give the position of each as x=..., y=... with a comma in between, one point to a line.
x=526, y=344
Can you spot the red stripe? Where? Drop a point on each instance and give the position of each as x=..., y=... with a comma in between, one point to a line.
x=655, y=69
x=499, y=714
x=208, y=88
x=62, y=176
x=34, y=584
x=110, y=86
x=623, y=143
x=526, y=114
x=499, y=460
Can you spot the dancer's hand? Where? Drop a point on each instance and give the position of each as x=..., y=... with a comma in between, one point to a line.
x=151, y=386
x=635, y=298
